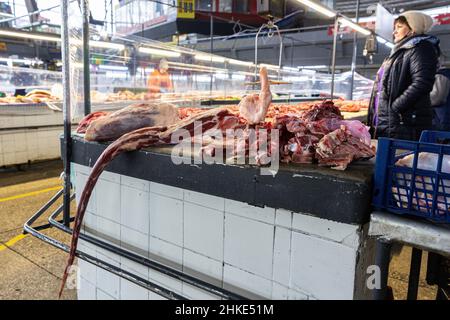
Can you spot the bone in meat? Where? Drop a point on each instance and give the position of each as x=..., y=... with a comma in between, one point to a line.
x=253, y=108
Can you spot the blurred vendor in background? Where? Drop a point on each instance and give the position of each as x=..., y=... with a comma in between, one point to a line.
x=159, y=80
x=400, y=106
x=440, y=100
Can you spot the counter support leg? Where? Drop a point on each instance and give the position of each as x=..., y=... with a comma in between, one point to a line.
x=414, y=273
x=382, y=257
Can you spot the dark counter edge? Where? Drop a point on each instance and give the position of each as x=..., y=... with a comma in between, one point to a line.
x=316, y=194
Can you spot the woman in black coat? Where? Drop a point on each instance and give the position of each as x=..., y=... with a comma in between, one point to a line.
x=400, y=106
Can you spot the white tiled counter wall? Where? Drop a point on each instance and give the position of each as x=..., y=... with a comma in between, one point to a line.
x=256, y=252
x=21, y=146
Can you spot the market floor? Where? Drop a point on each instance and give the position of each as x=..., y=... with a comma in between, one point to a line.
x=32, y=269
x=29, y=268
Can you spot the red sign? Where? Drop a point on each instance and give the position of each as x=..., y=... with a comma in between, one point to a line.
x=344, y=30
x=443, y=18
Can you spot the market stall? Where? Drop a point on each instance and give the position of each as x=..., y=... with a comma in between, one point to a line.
x=158, y=227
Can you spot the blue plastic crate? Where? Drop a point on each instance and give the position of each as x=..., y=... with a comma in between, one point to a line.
x=419, y=184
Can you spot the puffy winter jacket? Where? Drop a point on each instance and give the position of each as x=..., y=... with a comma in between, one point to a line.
x=404, y=109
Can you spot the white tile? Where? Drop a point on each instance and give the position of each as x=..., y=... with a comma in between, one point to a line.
x=165, y=190
x=80, y=182
x=134, y=267
x=103, y=296
x=89, y=223
x=249, y=245
x=279, y=292
x=134, y=241
x=154, y=296
x=108, y=282
x=86, y=291
x=166, y=219
x=137, y=243
x=323, y=268
x=323, y=228
x=108, y=230
x=202, y=267
x=110, y=176
x=282, y=256
x=283, y=218
x=138, y=184
x=135, y=209
x=131, y=291
x=245, y=210
x=296, y=295
x=246, y=284
x=88, y=271
x=170, y=255
x=205, y=200
x=203, y=230
x=166, y=253
x=165, y=281
x=108, y=200
x=194, y=293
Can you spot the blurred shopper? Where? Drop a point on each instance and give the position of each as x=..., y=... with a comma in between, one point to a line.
x=400, y=106
x=440, y=100
x=159, y=80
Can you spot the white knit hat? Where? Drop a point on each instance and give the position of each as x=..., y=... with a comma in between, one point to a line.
x=418, y=21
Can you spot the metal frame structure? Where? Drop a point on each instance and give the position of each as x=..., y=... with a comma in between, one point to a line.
x=64, y=225
x=388, y=229
x=270, y=26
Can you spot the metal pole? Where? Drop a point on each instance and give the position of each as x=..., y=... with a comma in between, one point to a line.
x=86, y=71
x=414, y=274
x=66, y=108
x=355, y=51
x=211, y=44
x=333, y=61
x=382, y=257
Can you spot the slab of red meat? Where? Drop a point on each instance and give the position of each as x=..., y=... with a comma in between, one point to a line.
x=130, y=118
x=326, y=109
x=86, y=121
x=338, y=148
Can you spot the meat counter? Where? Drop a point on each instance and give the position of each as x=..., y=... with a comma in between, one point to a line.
x=300, y=234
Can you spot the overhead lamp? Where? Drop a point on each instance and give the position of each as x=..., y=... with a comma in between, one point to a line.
x=26, y=35
x=348, y=23
x=204, y=57
x=159, y=52
x=290, y=69
x=106, y=45
x=112, y=68
x=269, y=66
x=319, y=8
x=240, y=63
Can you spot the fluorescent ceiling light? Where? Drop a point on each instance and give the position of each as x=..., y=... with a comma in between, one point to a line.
x=158, y=52
x=203, y=57
x=385, y=42
x=315, y=67
x=290, y=69
x=113, y=68
x=29, y=35
x=354, y=26
x=240, y=63
x=319, y=8
x=33, y=36
x=269, y=66
x=106, y=45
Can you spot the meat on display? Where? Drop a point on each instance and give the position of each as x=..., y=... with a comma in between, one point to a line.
x=317, y=134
